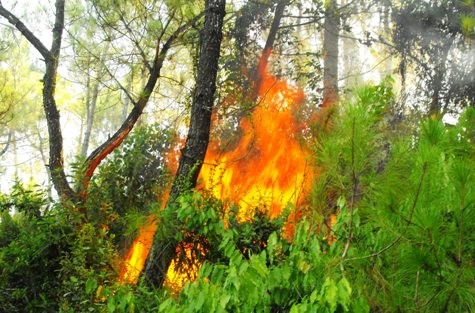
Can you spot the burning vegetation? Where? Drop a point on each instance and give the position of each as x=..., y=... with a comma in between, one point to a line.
x=267, y=170
x=351, y=197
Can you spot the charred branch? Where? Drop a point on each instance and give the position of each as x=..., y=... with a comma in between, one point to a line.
x=264, y=59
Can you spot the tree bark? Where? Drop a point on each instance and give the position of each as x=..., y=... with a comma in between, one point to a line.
x=56, y=160
x=192, y=156
x=331, y=27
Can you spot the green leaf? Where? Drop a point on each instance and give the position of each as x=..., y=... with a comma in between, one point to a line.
x=329, y=293
x=111, y=306
x=91, y=285
x=258, y=262
x=344, y=293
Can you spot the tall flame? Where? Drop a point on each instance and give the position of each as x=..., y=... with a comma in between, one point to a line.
x=267, y=169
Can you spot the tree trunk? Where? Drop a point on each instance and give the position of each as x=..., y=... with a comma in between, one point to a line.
x=192, y=156
x=264, y=59
x=56, y=160
x=330, y=53
x=126, y=100
x=91, y=101
x=437, y=80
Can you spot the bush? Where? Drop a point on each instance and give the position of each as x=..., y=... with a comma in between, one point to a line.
x=405, y=205
x=131, y=182
x=30, y=253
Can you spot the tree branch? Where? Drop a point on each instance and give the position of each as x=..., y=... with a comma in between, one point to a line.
x=20, y=26
x=408, y=221
x=99, y=154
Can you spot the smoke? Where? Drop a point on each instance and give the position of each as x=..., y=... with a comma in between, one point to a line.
x=430, y=35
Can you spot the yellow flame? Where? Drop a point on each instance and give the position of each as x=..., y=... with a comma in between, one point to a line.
x=267, y=169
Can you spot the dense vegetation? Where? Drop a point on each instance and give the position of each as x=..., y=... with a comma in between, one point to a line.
x=404, y=197
x=240, y=156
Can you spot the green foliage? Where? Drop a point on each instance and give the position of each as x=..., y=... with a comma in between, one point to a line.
x=249, y=267
x=30, y=253
x=49, y=262
x=351, y=151
x=282, y=277
x=23, y=200
x=90, y=261
x=405, y=206
x=131, y=181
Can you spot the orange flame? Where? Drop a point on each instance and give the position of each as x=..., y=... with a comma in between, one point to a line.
x=135, y=258
x=267, y=169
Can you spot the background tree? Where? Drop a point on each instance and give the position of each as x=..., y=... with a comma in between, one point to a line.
x=51, y=59
x=430, y=37
x=331, y=37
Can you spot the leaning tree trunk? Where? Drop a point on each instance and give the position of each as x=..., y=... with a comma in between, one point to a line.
x=330, y=54
x=193, y=154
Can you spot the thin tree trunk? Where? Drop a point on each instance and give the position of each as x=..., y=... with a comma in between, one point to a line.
x=83, y=134
x=56, y=160
x=91, y=110
x=192, y=156
x=91, y=101
x=330, y=53
x=126, y=101
x=385, y=19
x=437, y=80
x=45, y=161
x=264, y=59
x=7, y=144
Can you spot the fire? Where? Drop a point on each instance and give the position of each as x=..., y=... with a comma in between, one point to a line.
x=135, y=258
x=267, y=169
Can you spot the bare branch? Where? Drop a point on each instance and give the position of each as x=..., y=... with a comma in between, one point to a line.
x=15, y=21
x=7, y=144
